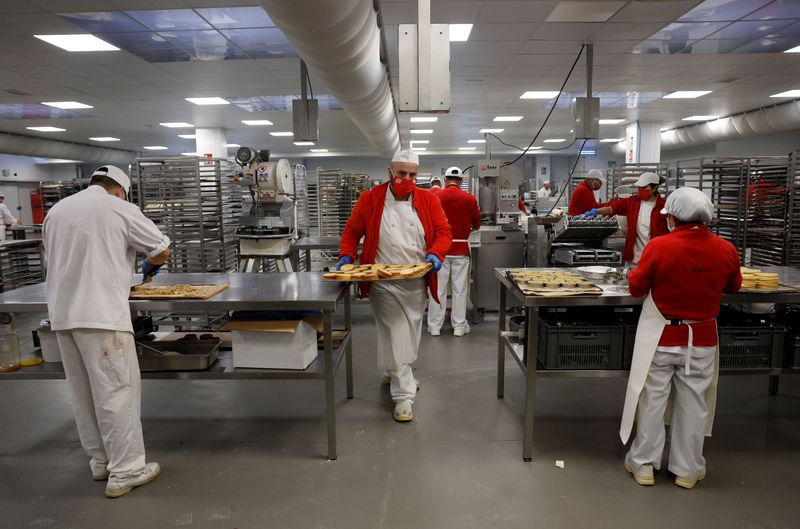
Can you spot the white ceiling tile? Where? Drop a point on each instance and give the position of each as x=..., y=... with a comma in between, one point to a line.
x=19, y=6
x=455, y=12
x=61, y=6
x=491, y=46
x=663, y=11
x=551, y=47
x=607, y=47
x=538, y=60
x=507, y=12
x=564, y=31
x=485, y=60
x=398, y=12
x=502, y=31
x=584, y=11
x=626, y=31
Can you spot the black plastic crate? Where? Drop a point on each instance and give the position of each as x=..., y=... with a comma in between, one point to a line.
x=751, y=347
x=580, y=346
x=791, y=351
x=629, y=341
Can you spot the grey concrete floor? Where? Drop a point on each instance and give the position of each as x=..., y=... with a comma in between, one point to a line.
x=248, y=454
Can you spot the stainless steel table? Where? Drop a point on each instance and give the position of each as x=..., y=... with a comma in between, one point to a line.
x=286, y=291
x=613, y=295
x=306, y=244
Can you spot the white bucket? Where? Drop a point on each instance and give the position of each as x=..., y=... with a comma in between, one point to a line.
x=49, y=345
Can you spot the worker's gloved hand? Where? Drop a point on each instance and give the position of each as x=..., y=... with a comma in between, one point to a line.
x=591, y=213
x=432, y=259
x=149, y=270
x=343, y=261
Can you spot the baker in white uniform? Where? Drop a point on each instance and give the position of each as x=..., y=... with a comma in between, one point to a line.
x=6, y=217
x=90, y=242
x=401, y=223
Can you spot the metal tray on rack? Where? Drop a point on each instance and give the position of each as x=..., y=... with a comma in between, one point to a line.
x=183, y=355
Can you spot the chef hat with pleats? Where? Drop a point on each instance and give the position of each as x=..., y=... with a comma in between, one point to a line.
x=406, y=156
x=688, y=204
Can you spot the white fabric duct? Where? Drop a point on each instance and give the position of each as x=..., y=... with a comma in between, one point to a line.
x=20, y=145
x=340, y=43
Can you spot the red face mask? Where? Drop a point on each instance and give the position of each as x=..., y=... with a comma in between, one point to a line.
x=645, y=193
x=403, y=186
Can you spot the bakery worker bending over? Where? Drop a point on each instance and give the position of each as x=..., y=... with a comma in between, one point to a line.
x=675, y=356
x=90, y=241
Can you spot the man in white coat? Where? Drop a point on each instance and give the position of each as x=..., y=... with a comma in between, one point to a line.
x=7, y=218
x=90, y=242
x=683, y=274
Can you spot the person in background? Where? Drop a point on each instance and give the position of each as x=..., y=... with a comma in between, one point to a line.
x=583, y=198
x=521, y=205
x=6, y=217
x=683, y=275
x=90, y=242
x=464, y=216
x=401, y=223
x=544, y=192
x=643, y=211
x=436, y=185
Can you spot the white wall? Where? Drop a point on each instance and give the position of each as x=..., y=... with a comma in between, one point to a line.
x=776, y=144
x=24, y=177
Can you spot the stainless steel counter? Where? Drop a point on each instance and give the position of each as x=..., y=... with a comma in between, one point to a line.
x=306, y=244
x=613, y=295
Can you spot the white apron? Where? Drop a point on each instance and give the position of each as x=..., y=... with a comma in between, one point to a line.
x=648, y=333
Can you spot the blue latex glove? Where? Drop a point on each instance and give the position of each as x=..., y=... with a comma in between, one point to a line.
x=149, y=270
x=437, y=264
x=591, y=213
x=343, y=261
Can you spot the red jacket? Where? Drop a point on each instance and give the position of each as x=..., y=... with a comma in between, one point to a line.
x=583, y=200
x=435, y=190
x=687, y=271
x=630, y=208
x=366, y=221
x=463, y=214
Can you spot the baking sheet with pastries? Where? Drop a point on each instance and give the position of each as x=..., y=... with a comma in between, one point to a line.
x=180, y=291
x=552, y=283
x=378, y=272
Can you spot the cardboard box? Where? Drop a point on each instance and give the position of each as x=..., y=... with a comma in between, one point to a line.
x=274, y=344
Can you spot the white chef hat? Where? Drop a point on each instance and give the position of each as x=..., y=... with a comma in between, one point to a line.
x=645, y=179
x=453, y=172
x=406, y=156
x=116, y=174
x=597, y=174
x=688, y=204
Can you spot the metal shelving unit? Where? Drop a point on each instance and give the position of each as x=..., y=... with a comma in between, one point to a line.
x=21, y=264
x=51, y=192
x=628, y=174
x=336, y=194
x=792, y=250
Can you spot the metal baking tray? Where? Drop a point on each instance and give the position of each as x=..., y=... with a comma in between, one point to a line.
x=194, y=355
x=578, y=229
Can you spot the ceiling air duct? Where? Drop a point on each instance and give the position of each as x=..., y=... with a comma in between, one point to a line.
x=23, y=145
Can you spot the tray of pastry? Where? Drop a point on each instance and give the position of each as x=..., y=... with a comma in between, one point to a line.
x=378, y=272
x=176, y=291
x=754, y=280
x=552, y=283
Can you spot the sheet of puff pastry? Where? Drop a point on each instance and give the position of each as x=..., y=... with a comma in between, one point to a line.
x=378, y=272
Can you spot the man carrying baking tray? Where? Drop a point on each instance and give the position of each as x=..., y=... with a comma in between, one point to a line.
x=683, y=274
x=401, y=223
x=90, y=241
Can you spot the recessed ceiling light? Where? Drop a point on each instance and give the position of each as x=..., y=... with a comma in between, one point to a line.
x=460, y=32
x=233, y=145
x=104, y=138
x=281, y=134
x=788, y=93
x=796, y=49
x=476, y=141
x=424, y=119
x=412, y=142
x=256, y=122
x=539, y=94
x=664, y=129
x=66, y=105
x=610, y=121
x=303, y=143
x=187, y=136
x=155, y=147
x=687, y=94
x=490, y=131
x=188, y=154
x=536, y=148
x=419, y=149
x=508, y=118
x=612, y=140
x=421, y=131
x=177, y=125
x=318, y=150
x=700, y=118
x=46, y=129
x=79, y=42
x=467, y=148
x=207, y=101
x=555, y=140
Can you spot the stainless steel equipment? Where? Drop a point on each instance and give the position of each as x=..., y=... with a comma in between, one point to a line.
x=498, y=193
x=336, y=195
x=21, y=263
x=566, y=241
x=178, y=355
x=494, y=247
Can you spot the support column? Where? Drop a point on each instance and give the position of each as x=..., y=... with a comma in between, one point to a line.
x=211, y=141
x=643, y=142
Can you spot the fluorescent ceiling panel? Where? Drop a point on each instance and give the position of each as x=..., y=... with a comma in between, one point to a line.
x=187, y=136
x=318, y=150
x=38, y=160
x=476, y=141
x=177, y=125
x=460, y=32
x=796, y=49
x=169, y=19
x=508, y=118
x=303, y=143
x=788, y=93
x=569, y=11
x=66, y=105
x=419, y=149
x=687, y=94
x=423, y=142
x=533, y=94
x=421, y=131
x=611, y=121
x=257, y=122
x=155, y=148
x=77, y=42
x=236, y=17
x=555, y=140
x=207, y=101
x=490, y=131
x=233, y=145
x=104, y=138
x=46, y=129
x=700, y=118
x=424, y=119
x=467, y=148
x=281, y=134
x=188, y=154
x=612, y=140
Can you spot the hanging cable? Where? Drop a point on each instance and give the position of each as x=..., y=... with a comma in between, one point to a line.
x=569, y=178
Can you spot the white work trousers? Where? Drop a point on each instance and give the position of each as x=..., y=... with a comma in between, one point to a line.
x=455, y=271
x=398, y=308
x=689, y=412
x=105, y=384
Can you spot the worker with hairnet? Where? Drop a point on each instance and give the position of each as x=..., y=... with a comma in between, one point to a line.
x=583, y=199
x=436, y=185
x=90, y=242
x=683, y=275
x=643, y=212
x=464, y=216
x=401, y=223
x=6, y=217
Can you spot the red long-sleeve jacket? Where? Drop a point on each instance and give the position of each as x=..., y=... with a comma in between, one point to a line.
x=365, y=221
x=687, y=271
x=630, y=208
x=582, y=200
x=463, y=214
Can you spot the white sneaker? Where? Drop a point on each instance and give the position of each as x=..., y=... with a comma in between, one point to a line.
x=119, y=486
x=99, y=470
x=461, y=331
x=643, y=476
x=434, y=332
x=403, y=411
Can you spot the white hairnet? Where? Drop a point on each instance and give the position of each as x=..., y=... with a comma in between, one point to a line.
x=436, y=180
x=116, y=174
x=406, y=156
x=597, y=174
x=645, y=179
x=688, y=204
x=453, y=172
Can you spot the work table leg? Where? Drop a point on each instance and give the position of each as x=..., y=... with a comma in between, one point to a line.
x=330, y=372
x=530, y=380
x=501, y=346
x=348, y=359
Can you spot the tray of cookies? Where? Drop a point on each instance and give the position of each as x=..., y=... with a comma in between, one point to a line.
x=378, y=272
x=535, y=282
